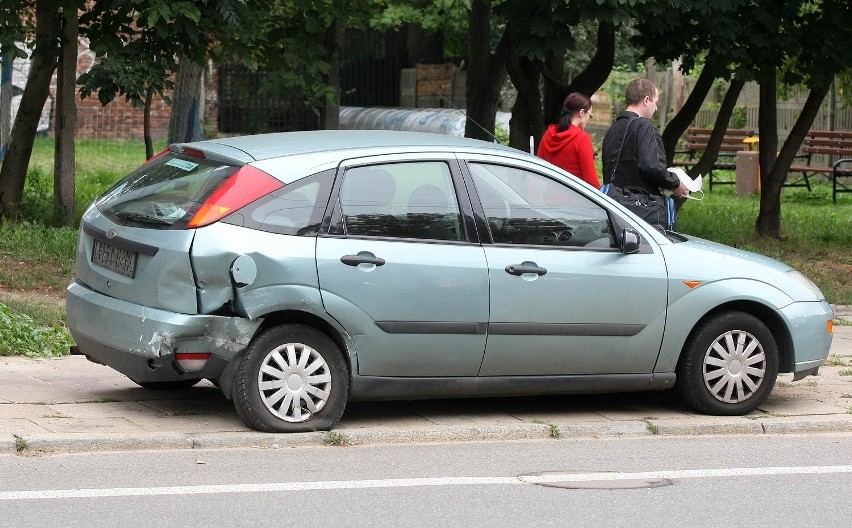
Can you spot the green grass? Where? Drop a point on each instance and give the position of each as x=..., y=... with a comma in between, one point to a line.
x=649, y=425
x=333, y=438
x=100, y=164
x=104, y=157
x=20, y=334
x=47, y=310
x=555, y=432
x=835, y=361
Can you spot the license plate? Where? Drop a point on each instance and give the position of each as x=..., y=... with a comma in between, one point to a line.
x=114, y=258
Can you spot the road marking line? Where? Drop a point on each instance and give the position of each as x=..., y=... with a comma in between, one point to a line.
x=543, y=478
x=684, y=474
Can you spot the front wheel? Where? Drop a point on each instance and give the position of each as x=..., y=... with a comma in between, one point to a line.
x=728, y=365
x=292, y=379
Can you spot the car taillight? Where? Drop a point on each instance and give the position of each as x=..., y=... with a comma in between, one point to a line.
x=192, y=360
x=188, y=151
x=195, y=153
x=243, y=187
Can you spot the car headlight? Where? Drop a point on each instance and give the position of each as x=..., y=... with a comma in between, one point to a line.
x=807, y=282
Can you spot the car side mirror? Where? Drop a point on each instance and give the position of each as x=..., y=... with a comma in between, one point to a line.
x=630, y=241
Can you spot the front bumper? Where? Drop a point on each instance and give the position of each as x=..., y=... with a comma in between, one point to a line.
x=140, y=342
x=808, y=324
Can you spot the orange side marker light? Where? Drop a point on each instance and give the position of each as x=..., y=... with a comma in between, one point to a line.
x=692, y=283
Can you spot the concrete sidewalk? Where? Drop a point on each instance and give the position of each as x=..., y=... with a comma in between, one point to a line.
x=71, y=405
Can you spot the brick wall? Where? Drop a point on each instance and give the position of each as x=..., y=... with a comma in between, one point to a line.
x=119, y=119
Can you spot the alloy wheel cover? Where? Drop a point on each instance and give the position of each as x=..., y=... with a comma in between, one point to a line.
x=734, y=366
x=294, y=382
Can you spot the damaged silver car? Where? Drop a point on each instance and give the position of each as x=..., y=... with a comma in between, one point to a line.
x=299, y=271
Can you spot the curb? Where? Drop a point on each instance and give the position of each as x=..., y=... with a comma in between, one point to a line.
x=51, y=444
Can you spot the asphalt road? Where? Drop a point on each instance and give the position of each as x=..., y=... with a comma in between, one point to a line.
x=768, y=480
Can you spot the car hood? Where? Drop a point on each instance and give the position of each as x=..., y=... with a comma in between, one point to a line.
x=702, y=260
x=721, y=253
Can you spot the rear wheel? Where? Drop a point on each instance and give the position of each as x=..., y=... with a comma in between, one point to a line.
x=729, y=365
x=292, y=378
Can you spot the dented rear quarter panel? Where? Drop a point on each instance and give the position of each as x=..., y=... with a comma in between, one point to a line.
x=286, y=277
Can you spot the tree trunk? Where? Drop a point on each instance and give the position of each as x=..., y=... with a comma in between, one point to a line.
x=684, y=117
x=554, y=94
x=5, y=100
x=527, y=120
x=66, y=121
x=334, y=39
x=146, y=125
x=769, y=217
x=14, y=170
x=486, y=73
x=705, y=164
x=590, y=79
x=775, y=179
x=185, y=121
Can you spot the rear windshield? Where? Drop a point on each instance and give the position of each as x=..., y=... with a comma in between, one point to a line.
x=164, y=193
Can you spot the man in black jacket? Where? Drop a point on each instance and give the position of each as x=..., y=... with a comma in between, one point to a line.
x=633, y=153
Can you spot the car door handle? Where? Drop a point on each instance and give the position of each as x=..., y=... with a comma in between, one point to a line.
x=355, y=260
x=520, y=269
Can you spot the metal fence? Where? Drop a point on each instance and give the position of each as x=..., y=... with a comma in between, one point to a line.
x=248, y=104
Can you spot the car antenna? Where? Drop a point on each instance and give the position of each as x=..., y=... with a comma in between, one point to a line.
x=461, y=111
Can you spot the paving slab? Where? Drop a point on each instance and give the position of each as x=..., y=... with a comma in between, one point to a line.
x=69, y=404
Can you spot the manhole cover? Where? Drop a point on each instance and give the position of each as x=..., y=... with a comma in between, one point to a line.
x=592, y=481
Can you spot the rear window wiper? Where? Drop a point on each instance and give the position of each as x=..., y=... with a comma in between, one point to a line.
x=143, y=218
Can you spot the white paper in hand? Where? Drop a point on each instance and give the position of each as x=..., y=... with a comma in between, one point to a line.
x=691, y=185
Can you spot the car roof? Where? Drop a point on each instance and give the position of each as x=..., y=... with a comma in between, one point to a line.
x=267, y=146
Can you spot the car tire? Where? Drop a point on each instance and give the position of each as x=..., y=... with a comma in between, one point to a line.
x=169, y=385
x=728, y=365
x=292, y=378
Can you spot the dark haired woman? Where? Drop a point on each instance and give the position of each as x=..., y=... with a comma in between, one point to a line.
x=567, y=145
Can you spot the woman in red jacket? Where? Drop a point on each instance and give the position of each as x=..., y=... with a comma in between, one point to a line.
x=567, y=145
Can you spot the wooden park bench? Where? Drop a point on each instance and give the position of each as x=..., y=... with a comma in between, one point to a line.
x=695, y=142
x=837, y=144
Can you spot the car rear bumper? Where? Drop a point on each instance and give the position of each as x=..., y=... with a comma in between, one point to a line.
x=140, y=342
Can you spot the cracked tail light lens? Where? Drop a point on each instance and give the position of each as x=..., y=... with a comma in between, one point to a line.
x=243, y=187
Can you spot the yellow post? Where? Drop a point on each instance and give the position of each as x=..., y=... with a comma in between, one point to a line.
x=748, y=168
